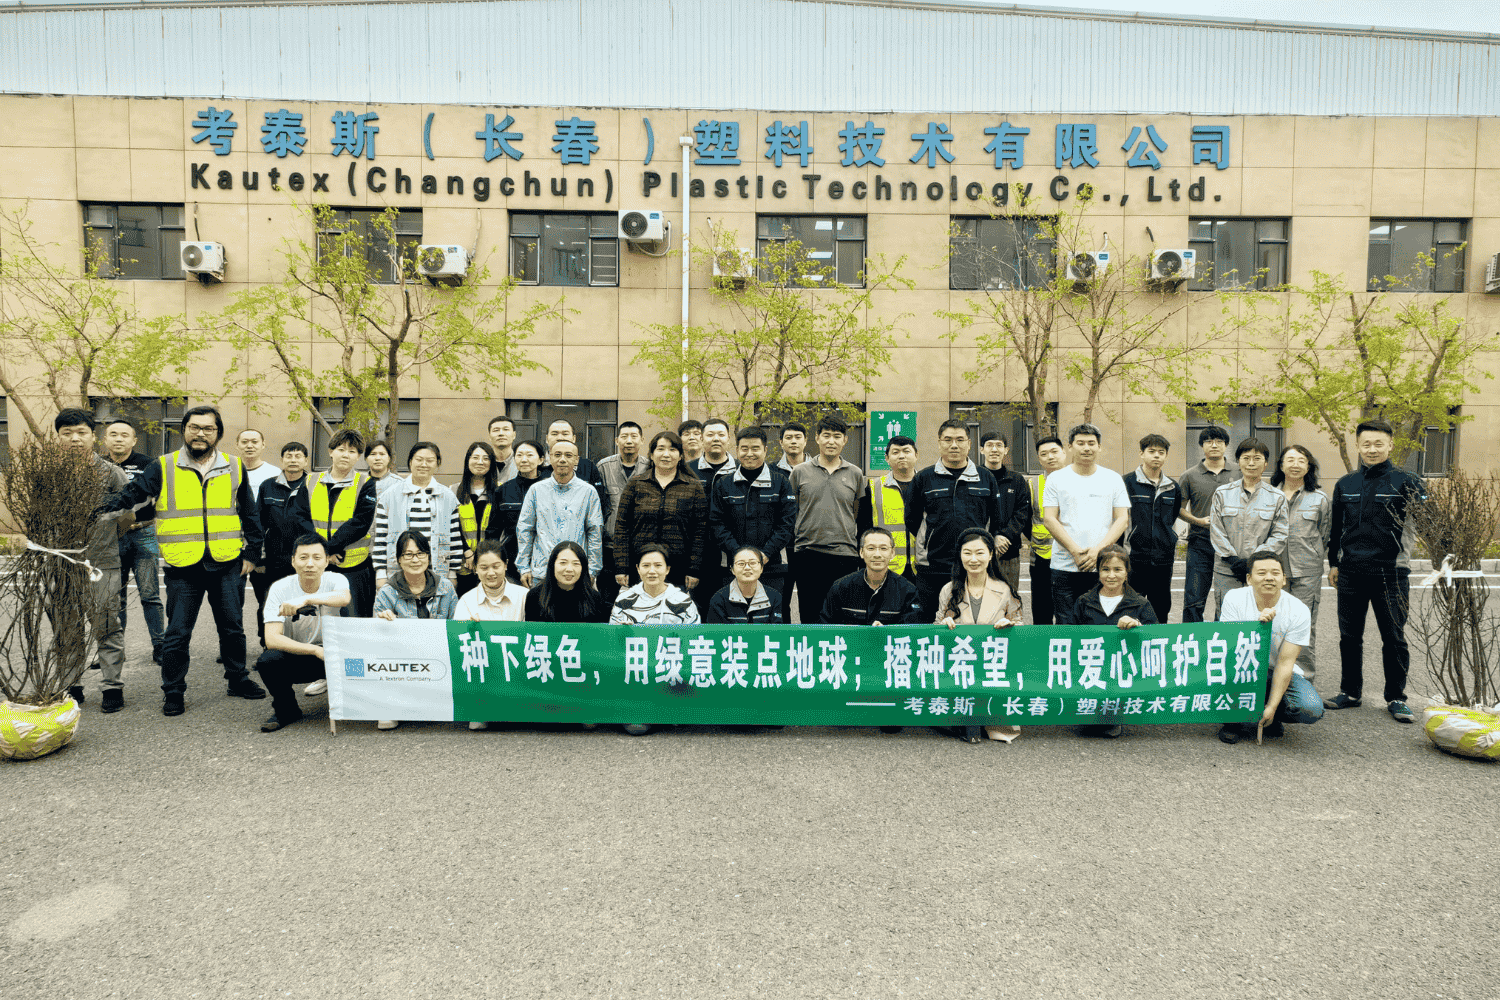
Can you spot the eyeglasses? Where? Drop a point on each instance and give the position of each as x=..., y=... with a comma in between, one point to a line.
x=746, y=562
x=413, y=555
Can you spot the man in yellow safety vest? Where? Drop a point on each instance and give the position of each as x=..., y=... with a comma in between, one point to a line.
x=341, y=503
x=1050, y=453
x=208, y=530
x=884, y=504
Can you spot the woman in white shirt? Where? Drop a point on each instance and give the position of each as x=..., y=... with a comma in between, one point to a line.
x=495, y=599
x=653, y=601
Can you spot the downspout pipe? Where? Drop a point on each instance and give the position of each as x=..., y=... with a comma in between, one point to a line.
x=687, y=259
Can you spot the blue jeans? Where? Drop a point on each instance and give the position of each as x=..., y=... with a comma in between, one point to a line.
x=138, y=553
x=186, y=588
x=1301, y=703
x=1200, y=577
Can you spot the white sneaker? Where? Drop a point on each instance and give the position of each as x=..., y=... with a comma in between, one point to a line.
x=473, y=726
x=387, y=724
x=316, y=687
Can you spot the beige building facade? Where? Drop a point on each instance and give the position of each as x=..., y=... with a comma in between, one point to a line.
x=887, y=184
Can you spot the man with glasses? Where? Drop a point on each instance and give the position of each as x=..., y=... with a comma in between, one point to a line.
x=208, y=530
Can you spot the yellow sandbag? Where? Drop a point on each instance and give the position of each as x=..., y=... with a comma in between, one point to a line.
x=28, y=732
x=1463, y=731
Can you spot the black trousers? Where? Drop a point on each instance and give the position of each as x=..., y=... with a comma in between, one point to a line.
x=1067, y=588
x=815, y=573
x=1388, y=592
x=279, y=670
x=260, y=583
x=929, y=590
x=1154, y=583
x=1041, y=591
x=187, y=586
x=361, y=590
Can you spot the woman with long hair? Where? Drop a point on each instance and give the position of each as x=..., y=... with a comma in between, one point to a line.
x=567, y=593
x=665, y=506
x=478, y=492
x=978, y=595
x=1112, y=601
x=527, y=456
x=1310, y=515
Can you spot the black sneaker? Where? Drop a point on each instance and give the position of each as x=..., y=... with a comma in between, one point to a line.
x=1274, y=730
x=891, y=729
x=114, y=700
x=276, y=722
x=172, y=705
x=637, y=728
x=76, y=693
x=1398, y=709
x=247, y=689
x=1341, y=700
x=1230, y=733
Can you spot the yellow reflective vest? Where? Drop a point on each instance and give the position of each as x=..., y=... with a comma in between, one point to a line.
x=328, y=522
x=196, y=516
x=888, y=511
x=1041, y=538
x=472, y=527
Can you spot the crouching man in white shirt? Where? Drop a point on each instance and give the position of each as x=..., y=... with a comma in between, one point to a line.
x=294, y=611
x=1290, y=697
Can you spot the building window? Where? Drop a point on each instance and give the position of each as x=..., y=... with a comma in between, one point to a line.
x=556, y=249
x=134, y=241
x=332, y=408
x=388, y=249
x=593, y=422
x=1438, y=452
x=833, y=245
x=158, y=422
x=808, y=415
x=1417, y=255
x=1239, y=253
x=999, y=254
x=1262, y=422
x=1011, y=419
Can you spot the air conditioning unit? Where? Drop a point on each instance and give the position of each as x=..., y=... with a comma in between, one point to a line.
x=1088, y=265
x=1492, y=275
x=442, y=265
x=205, y=261
x=1170, y=268
x=642, y=226
x=734, y=266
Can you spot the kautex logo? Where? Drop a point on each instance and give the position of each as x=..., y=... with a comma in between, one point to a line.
x=404, y=670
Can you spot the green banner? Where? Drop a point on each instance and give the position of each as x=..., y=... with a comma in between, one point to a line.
x=799, y=675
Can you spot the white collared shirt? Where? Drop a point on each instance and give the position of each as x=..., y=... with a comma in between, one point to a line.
x=477, y=606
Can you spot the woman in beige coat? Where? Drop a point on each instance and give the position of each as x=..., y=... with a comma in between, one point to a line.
x=978, y=595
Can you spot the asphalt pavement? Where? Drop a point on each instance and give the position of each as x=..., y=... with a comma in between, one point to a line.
x=198, y=857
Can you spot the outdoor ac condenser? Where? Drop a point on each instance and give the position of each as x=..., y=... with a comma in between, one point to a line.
x=1170, y=268
x=442, y=265
x=205, y=261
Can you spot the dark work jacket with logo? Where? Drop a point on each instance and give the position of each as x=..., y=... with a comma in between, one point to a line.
x=283, y=517
x=759, y=511
x=1371, y=526
x=852, y=602
x=1089, y=610
x=1152, y=537
x=952, y=500
x=1014, y=494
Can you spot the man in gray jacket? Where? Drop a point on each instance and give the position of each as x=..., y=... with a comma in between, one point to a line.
x=75, y=428
x=1246, y=516
x=616, y=470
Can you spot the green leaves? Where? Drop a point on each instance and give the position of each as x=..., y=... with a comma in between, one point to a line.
x=787, y=334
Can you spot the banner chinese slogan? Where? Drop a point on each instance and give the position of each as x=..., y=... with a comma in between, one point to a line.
x=795, y=675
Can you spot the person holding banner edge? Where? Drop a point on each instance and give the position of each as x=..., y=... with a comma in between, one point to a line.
x=980, y=594
x=1112, y=602
x=1290, y=697
x=653, y=601
x=295, y=608
x=415, y=591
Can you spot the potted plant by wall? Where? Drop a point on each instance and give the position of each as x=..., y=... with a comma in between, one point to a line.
x=1452, y=617
x=48, y=616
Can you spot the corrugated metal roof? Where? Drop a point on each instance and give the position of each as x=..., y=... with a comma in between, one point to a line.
x=771, y=54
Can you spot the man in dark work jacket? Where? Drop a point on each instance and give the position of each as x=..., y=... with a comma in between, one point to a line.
x=873, y=595
x=1369, y=557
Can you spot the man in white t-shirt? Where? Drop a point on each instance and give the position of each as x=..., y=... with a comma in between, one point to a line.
x=1290, y=697
x=251, y=445
x=294, y=611
x=1085, y=507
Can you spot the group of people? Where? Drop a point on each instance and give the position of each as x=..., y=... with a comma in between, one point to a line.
x=678, y=530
